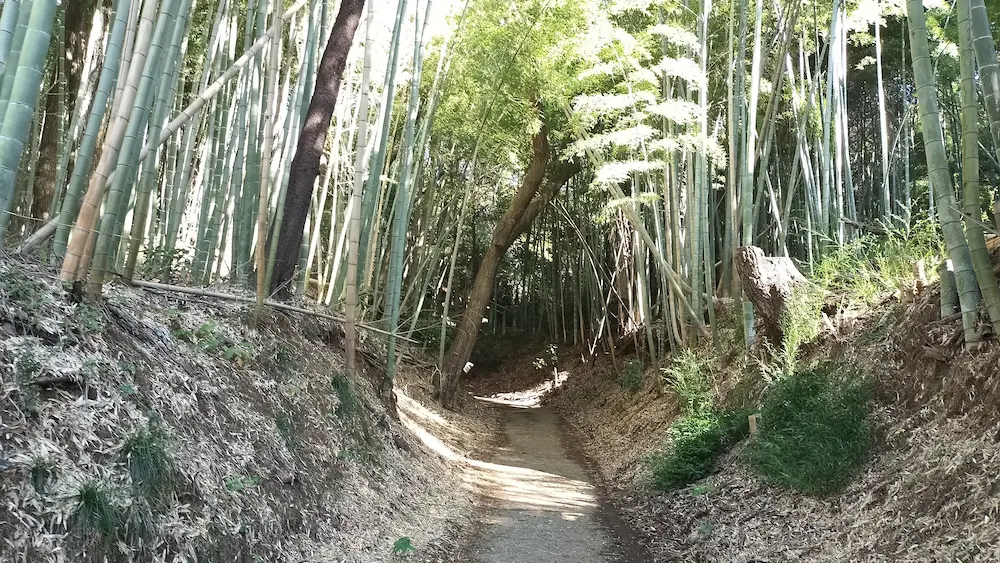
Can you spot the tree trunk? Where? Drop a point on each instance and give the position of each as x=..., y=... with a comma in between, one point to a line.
x=305, y=164
x=48, y=154
x=77, y=20
x=526, y=205
x=768, y=284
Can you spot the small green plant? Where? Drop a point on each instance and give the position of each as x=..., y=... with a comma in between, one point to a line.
x=208, y=337
x=697, y=441
x=25, y=295
x=705, y=529
x=183, y=335
x=240, y=483
x=348, y=404
x=688, y=377
x=26, y=370
x=285, y=425
x=403, y=545
x=239, y=353
x=284, y=358
x=96, y=512
x=800, y=322
x=815, y=431
x=89, y=319
x=27, y=366
x=149, y=464
x=210, y=340
x=631, y=378
x=42, y=472
x=701, y=489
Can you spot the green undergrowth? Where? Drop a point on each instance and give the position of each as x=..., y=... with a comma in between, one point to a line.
x=631, y=377
x=815, y=432
x=362, y=445
x=813, y=427
x=149, y=464
x=866, y=268
x=96, y=512
x=702, y=433
x=697, y=441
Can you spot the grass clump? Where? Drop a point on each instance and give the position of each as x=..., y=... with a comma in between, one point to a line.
x=800, y=323
x=288, y=431
x=702, y=434
x=815, y=430
x=348, y=403
x=697, y=441
x=868, y=267
x=631, y=378
x=42, y=472
x=688, y=378
x=96, y=512
x=149, y=464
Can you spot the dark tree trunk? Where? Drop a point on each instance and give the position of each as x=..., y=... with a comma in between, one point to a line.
x=528, y=202
x=311, y=143
x=48, y=156
x=77, y=20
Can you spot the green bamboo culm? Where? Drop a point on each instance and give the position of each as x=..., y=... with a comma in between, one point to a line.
x=989, y=70
x=24, y=93
x=402, y=214
x=378, y=156
x=939, y=173
x=242, y=194
x=148, y=54
x=970, y=168
x=17, y=41
x=8, y=23
x=88, y=145
x=164, y=95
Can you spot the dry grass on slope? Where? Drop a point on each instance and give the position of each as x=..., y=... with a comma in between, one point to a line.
x=164, y=428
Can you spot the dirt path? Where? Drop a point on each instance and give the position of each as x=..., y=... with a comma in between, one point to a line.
x=538, y=502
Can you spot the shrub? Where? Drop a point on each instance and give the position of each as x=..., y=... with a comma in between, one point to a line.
x=96, y=512
x=697, y=441
x=348, y=403
x=688, y=377
x=815, y=434
x=631, y=378
x=149, y=464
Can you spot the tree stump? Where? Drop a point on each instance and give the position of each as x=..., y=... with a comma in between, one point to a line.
x=768, y=283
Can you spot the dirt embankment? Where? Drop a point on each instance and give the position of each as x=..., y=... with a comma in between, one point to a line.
x=930, y=492
x=169, y=427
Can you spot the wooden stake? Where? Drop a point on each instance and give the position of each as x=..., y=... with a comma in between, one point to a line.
x=753, y=424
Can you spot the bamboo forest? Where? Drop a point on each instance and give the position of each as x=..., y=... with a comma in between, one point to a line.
x=495, y=281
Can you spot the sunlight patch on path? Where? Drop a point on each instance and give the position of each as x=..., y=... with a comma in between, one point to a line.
x=501, y=486
x=528, y=398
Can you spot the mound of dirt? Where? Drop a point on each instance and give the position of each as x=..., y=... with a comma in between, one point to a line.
x=261, y=448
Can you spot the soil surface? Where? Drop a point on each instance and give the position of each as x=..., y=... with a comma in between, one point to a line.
x=538, y=502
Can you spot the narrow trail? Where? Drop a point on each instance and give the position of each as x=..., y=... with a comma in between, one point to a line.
x=538, y=503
